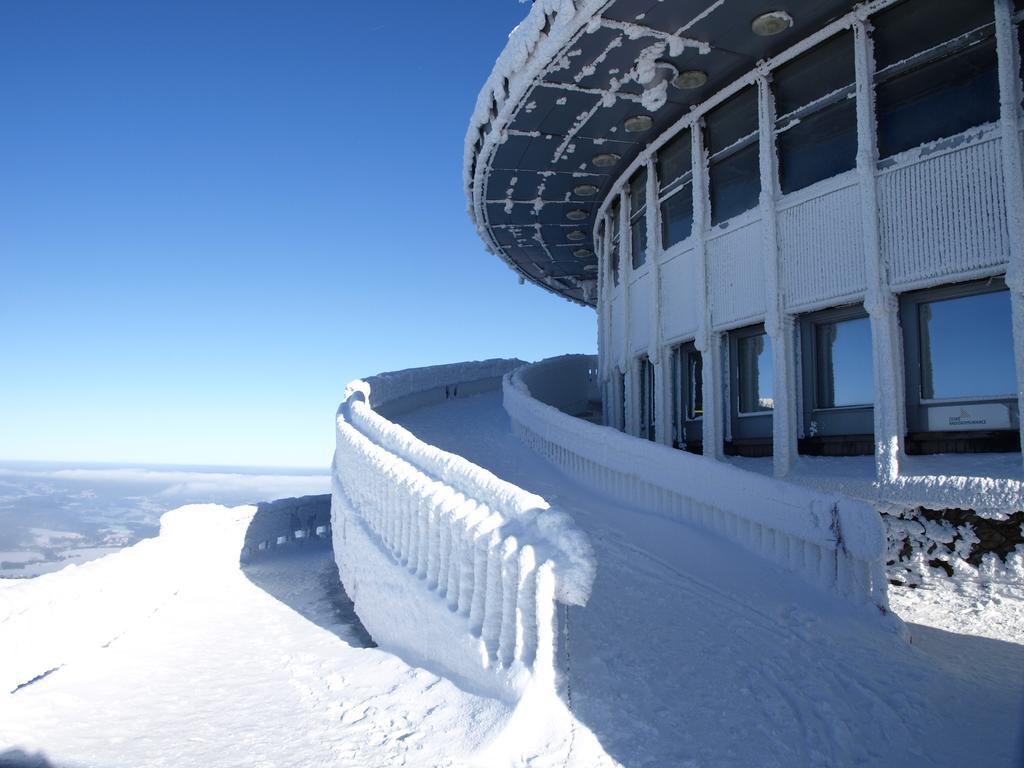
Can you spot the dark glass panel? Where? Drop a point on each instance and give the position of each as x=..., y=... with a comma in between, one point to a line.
x=637, y=192
x=675, y=160
x=638, y=239
x=823, y=69
x=755, y=373
x=677, y=217
x=820, y=146
x=967, y=347
x=845, y=369
x=731, y=121
x=734, y=184
x=938, y=99
x=914, y=26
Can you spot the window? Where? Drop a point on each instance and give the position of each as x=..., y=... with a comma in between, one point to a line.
x=688, y=397
x=751, y=382
x=960, y=369
x=755, y=374
x=734, y=173
x=838, y=383
x=816, y=131
x=939, y=81
x=637, y=221
x=675, y=177
x=647, y=396
x=613, y=212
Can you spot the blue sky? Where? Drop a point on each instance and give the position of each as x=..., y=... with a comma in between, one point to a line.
x=215, y=214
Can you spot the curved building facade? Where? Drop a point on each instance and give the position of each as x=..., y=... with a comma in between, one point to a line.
x=801, y=223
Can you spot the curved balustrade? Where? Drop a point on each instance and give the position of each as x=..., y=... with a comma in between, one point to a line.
x=485, y=562
x=833, y=541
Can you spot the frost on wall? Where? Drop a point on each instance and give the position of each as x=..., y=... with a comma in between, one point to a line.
x=957, y=543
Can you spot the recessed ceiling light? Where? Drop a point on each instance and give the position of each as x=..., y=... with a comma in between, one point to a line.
x=771, y=23
x=690, y=79
x=604, y=160
x=582, y=253
x=577, y=235
x=638, y=123
x=576, y=215
x=585, y=190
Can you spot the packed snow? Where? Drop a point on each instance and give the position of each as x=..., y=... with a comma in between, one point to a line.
x=171, y=654
x=693, y=652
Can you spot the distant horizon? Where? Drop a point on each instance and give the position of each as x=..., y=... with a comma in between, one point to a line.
x=88, y=464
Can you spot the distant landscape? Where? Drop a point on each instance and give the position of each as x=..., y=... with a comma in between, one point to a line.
x=53, y=515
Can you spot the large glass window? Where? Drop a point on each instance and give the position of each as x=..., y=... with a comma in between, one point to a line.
x=816, y=129
x=613, y=212
x=637, y=220
x=939, y=81
x=844, y=371
x=961, y=382
x=967, y=347
x=754, y=373
x=675, y=178
x=734, y=174
x=837, y=383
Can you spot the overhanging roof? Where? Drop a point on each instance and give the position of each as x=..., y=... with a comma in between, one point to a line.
x=560, y=93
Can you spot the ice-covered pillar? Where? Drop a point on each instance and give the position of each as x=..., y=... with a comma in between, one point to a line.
x=604, y=311
x=708, y=343
x=879, y=301
x=1013, y=179
x=778, y=324
x=630, y=416
x=656, y=350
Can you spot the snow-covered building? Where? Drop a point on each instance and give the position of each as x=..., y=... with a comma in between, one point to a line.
x=801, y=225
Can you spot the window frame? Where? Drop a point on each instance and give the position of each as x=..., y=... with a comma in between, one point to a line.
x=680, y=185
x=688, y=431
x=646, y=399
x=751, y=432
x=638, y=217
x=917, y=407
x=850, y=426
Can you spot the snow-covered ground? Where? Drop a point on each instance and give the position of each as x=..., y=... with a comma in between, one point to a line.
x=691, y=652
x=205, y=663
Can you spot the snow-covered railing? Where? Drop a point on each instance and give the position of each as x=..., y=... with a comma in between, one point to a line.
x=442, y=559
x=833, y=541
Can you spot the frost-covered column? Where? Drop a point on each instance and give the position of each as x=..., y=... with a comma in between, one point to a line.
x=778, y=324
x=656, y=350
x=879, y=301
x=1013, y=178
x=709, y=344
x=630, y=416
x=604, y=319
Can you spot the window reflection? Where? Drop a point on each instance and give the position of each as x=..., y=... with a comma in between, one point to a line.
x=845, y=372
x=755, y=374
x=967, y=347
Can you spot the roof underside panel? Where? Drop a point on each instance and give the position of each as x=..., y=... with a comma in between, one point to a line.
x=574, y=107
